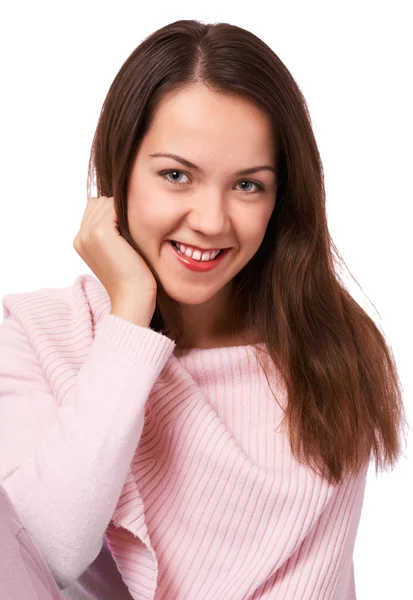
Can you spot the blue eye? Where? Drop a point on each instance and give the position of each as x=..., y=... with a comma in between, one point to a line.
x=258, y=185
x=164, y=174
x=174, y=171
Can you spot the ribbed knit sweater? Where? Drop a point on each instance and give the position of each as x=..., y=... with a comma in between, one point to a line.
x=147, y=472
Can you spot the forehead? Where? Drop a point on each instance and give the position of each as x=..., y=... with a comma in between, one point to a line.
x=197, y=118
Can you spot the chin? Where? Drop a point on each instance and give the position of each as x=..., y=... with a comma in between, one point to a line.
x=189, y=295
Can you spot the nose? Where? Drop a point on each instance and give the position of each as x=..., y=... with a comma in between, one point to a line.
x=208, y=214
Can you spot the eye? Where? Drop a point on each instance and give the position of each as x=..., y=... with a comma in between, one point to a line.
x=258, y=185
x=164, y=174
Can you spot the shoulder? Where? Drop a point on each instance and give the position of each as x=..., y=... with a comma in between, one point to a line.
x=54, y=328
x=84, y=302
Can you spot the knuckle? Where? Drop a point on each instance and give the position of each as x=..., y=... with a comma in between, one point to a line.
x=96, y=233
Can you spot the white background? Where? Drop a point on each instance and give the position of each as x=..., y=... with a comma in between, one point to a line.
x=353, y=62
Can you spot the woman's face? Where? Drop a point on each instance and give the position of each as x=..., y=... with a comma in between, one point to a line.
x=210, y=205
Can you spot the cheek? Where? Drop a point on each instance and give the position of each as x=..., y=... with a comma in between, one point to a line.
x=252, y=228
x=140, y=207
x=262, y=221
x=148, y=216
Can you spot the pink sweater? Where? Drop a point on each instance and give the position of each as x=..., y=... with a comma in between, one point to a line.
x=145, y=472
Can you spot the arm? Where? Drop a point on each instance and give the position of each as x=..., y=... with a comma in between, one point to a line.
x=64, y=467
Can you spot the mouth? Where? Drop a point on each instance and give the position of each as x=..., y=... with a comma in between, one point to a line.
x=200, y=266
x=175, y=245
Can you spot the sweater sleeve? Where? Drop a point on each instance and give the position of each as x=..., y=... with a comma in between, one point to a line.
x=64, y=467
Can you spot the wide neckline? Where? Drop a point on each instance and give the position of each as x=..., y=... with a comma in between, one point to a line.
x=217, y=349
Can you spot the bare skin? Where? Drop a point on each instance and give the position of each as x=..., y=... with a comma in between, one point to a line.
x=210, y=207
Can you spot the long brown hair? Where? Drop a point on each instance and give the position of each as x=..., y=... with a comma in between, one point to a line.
x=344, y=394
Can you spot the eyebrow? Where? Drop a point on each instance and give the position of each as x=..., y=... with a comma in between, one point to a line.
x=190, y=165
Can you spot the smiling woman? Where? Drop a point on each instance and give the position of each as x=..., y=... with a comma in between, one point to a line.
x=207, y=207
x=218, y=448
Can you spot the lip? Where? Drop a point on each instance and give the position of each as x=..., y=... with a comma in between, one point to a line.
x=198, y=266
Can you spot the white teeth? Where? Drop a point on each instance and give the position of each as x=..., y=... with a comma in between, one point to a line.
x=196, y=254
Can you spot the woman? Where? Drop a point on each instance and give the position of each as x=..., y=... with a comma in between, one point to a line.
x=197, y=419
